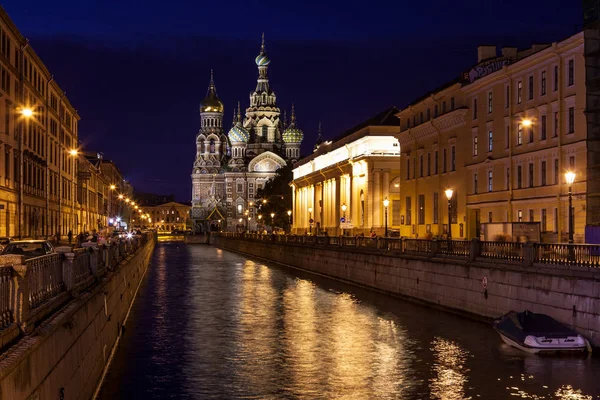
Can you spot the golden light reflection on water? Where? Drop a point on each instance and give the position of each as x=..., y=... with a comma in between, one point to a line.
x=449, y=380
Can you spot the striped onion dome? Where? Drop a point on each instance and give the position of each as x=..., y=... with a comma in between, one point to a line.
x=292, y=134
x=238, y=134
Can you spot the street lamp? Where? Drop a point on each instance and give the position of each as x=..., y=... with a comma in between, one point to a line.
x=310, y=220
x=449, y=196
x=570, y=178
x=289, y=213
x=247, y=220
x=26, y=113
x=259, y=220
x=386, y=203
x=272, y=222
x=344, y=208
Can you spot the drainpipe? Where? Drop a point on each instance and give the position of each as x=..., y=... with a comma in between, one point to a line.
x=510, y=148
x=559, y=133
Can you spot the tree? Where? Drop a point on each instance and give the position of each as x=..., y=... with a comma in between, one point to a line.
x=276, y=197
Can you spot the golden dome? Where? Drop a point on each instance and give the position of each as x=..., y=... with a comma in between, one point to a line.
x=211, y=102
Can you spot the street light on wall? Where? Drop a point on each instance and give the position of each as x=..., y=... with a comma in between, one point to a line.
x=386, y=204
x=310, y=220
x=449, y=193
x=570, y=178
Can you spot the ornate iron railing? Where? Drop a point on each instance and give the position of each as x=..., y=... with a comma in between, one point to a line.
x=508, y=251
x=45, y=278
x=6, y=290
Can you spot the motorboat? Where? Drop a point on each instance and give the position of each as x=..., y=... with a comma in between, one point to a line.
x=538, y=333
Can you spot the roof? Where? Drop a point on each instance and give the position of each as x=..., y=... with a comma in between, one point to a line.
x=386, y=117
x=436, y=90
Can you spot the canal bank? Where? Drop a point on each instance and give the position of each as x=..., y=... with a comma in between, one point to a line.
x=483, y=289
x=65, y=356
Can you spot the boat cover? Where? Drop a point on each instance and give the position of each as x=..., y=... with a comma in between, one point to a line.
x=518, y=325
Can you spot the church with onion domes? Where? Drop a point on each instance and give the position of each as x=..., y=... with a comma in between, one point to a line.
x=229, y=168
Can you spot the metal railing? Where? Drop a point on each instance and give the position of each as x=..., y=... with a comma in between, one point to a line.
x=32, y=289
x=525, y=254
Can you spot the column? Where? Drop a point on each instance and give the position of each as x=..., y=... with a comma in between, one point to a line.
x=376, y=199
x=337, y=204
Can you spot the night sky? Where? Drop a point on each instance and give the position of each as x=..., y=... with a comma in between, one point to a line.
x=137, y=71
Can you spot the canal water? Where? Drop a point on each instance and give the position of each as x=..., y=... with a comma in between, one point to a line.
x=210, y=324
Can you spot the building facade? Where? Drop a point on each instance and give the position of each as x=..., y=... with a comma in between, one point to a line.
x=342, y=186
x=229, y=169
x=502, y=138
x=168, y=217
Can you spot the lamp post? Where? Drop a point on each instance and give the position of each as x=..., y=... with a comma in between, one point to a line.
x=570, y=178
x=247, y=219
x=310, y=220
x=26, y=113
x=289, y=213
x=219, y=225
x=73, y=153
x=386, y=203
x=449, y=193
x=272, y=222
x=259, y=219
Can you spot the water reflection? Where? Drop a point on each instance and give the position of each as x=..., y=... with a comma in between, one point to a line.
x=212, y=324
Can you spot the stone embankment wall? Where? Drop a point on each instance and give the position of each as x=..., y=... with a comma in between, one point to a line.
x=65, y=356
x=482, y=289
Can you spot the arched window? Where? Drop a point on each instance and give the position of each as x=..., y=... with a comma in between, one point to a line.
x=212, y=146
x=264, y=131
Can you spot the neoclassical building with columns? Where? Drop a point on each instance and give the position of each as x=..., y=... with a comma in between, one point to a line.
x=341, y=187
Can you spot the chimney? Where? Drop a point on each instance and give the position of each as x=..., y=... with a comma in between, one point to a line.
x=509, y=52
x=485, y=52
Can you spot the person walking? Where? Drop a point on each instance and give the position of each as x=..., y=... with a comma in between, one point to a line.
x=70, y=236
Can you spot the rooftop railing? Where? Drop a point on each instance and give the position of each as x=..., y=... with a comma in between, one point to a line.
x=34, y=288
x=517, y=253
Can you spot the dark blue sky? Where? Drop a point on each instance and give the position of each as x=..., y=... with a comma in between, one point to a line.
x=136, y=71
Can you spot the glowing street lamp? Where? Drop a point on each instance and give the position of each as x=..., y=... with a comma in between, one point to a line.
x=272, y=221
x=120, y=197
x=570, y=178
x=526, y=122
x=289, y=213
x=449, y=193
x=386, y=204
x=310, y=220
x=27, y=112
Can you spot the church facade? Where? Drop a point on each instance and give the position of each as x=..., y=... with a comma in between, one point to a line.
x=229, y=168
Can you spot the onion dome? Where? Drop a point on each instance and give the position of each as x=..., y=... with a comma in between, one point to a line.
x=262, y=60
x=237, y=133
x=211, y=102
x=292, y=134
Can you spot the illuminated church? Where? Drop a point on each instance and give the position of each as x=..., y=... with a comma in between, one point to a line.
x=230, y=168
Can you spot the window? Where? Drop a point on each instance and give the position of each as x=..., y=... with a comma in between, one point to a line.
x=407, y=123
x=520, y=215
x=555, y=124
x=239, y=208
x=453, y=161
x=531, y=87
x=240, y=187
x=544, y=221
x=490, y=103
x=519, y=92
x=421, y=209
x=507, y=137
x=408, y=169
x=530, y=133
x=474, y=108
x=571, y=73
x=443, y=107
x=475, y=183
x=571, y=120
x=474, y=146
x=555, y=220
x=435, y=208
x=543, y=173
x=435, y=163
x=543, y=128
x=451, y=103
x=408, y=211
x=490, y=182
x=421, y=117
x=421, y=166
x=519, y=134
x=531, y=216
x=507, y=97
x=507, y=178
x=428, y=114
x=519, y=179
x=490, y=216
x=556, y=171
x=543, y=86
x=435, y=111
x=555, y=78
x=444, y=162
x=530, y=174
x=572, y=162
x=490, y=141
x=264, y=131
x=428, y=164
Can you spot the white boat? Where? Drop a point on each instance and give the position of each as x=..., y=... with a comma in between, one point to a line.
x=538, y=333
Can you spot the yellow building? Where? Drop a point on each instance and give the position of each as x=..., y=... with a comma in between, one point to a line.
x=502, y=138
x=39, y=127
x=348, y=179
x=168, y=217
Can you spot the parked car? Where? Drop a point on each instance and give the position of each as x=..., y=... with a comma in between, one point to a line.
x=29, y=248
